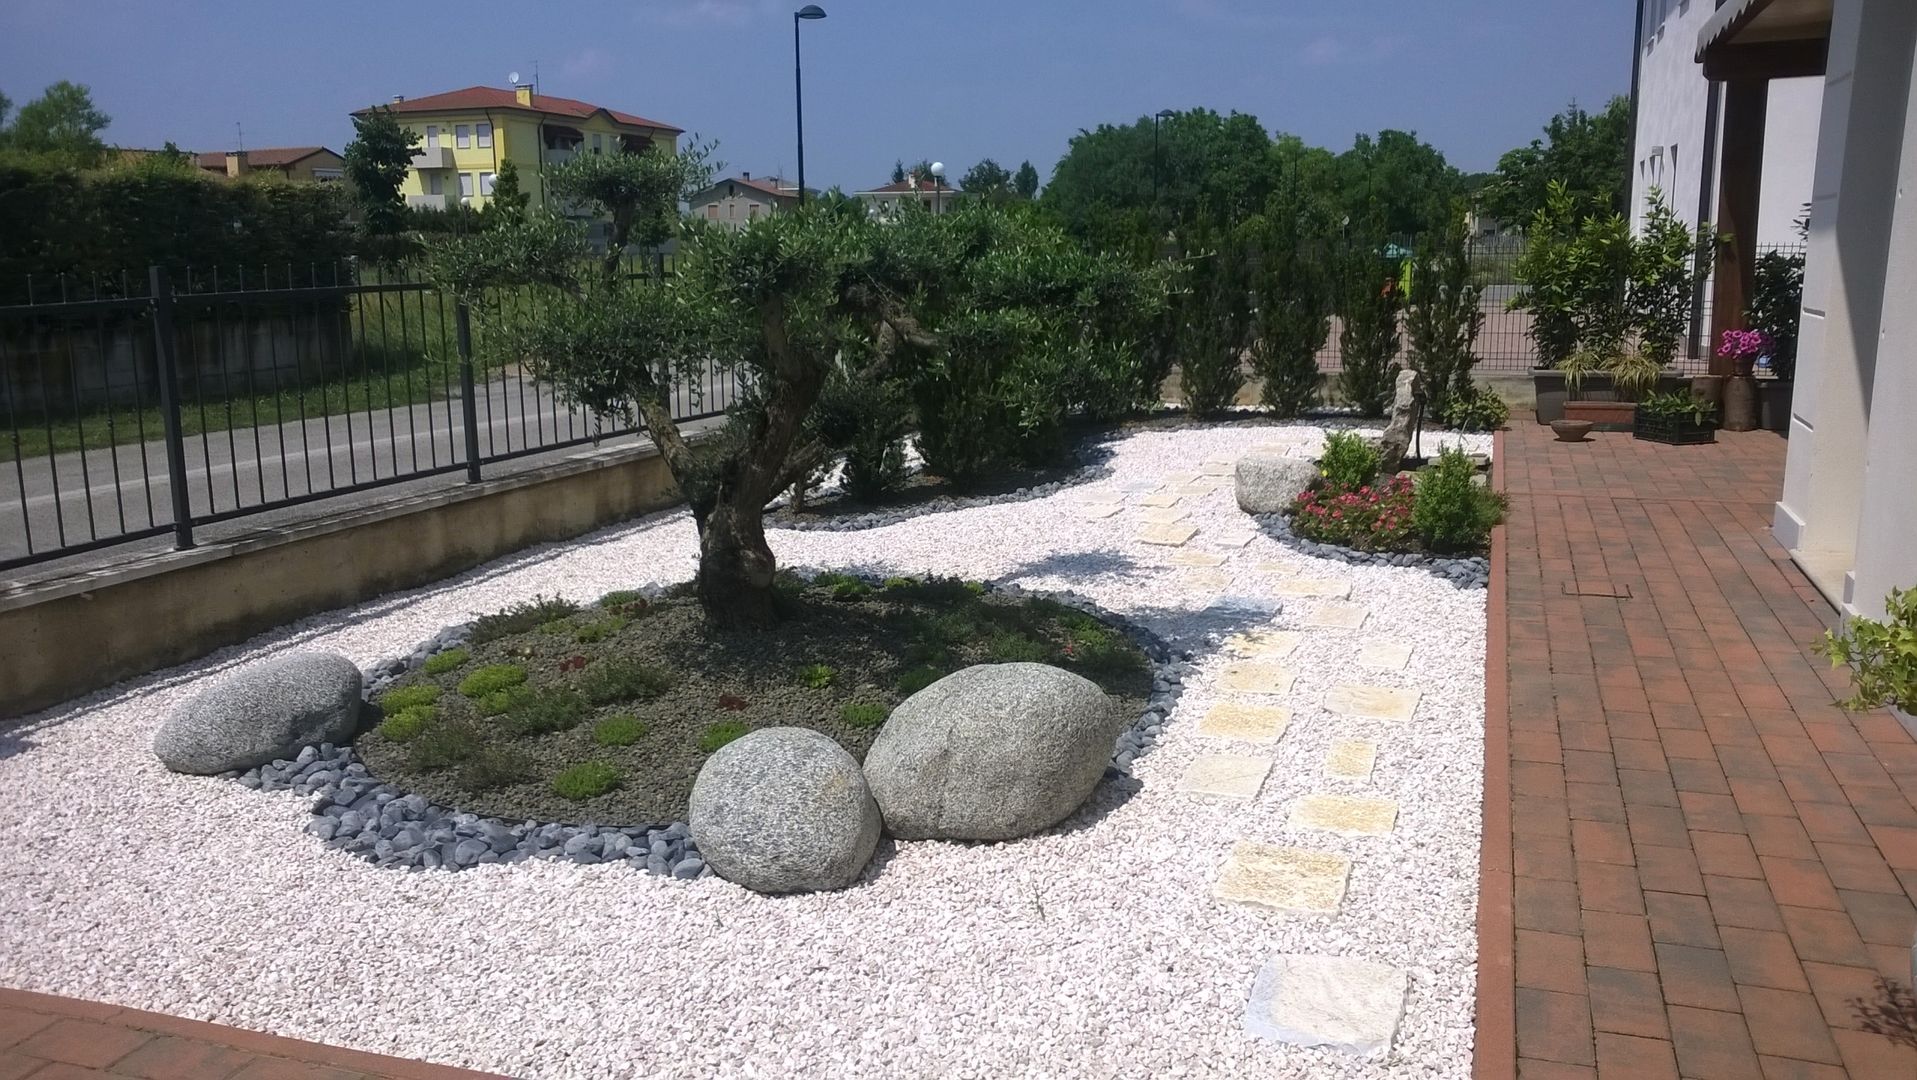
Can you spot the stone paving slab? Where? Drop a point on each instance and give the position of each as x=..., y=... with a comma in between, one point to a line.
x=1245, y=722
x=1281, y=569
x=1226, y=776
x=1167, y=535
x=1218, y=468
x=1384, y=656
x=1159, y=499
x=1098, y=511
x=1310, y=587
x=1335, y=615
x=1206, y=578
x=1267, y=644
x=1350, y=815
x=1162, y=516
x=1233, y=539
x=1197, y=558
x=1139, y=487
x=1247, y=603
x=1392, y=703
x=1351, y=759
x=1256, y=677
x=1342, y=1002
x=1193, y=489
x=1280, y=878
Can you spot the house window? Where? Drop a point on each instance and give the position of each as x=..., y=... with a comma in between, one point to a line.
x=595, y=143
x=463, y=136
x=328, y=176
x=486, y=184
x=485, y=136
x=752, y=210
x=465, y=186
x=712, y=211
x=432, y=136
x=435, y=183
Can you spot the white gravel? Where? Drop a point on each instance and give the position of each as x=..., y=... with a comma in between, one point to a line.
x=1094, y=951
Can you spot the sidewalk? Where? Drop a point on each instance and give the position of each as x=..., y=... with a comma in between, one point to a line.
x=54, y=1038
x=1694, y=860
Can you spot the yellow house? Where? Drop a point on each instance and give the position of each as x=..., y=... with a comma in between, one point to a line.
x=465, y=134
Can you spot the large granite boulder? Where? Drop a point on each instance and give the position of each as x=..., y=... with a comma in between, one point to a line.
x=1269, y=483
x=784, y=810
x=266, y=712
x=992, y=752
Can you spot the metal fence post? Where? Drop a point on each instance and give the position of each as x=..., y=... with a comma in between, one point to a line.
x=165, y=352
x=469, y=408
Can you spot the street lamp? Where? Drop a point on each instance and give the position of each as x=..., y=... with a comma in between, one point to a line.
x=938, y=183
x=1160, y=115
x=810, y=11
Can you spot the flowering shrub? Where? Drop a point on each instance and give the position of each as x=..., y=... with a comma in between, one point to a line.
x=1368, y=518
x=1348, y=463
x=1744, y=344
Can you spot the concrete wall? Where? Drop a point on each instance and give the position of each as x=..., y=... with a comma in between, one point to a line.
x=1858, y=283
x=69, y=636
x=1673, y=101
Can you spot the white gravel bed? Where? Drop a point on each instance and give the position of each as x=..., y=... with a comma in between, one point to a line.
x=1092, y=951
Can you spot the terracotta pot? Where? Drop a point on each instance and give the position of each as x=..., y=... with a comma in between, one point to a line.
x=1743, y=366
x=1571, y=430
x=1603, y=415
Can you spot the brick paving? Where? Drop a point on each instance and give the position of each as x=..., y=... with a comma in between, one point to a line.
x=1694, y=859
x=54, y=1038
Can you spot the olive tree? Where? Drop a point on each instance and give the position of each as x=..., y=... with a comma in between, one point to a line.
x=637, y=191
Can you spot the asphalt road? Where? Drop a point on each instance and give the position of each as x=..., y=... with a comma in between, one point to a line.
x=112, y=491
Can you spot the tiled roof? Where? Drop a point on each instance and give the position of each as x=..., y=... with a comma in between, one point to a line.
x=265, y=157
x=904, y=187
x=493, y=97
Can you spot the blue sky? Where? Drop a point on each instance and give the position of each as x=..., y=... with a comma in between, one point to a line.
x=952, y=81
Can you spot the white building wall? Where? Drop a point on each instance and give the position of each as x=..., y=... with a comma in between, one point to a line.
x=1673, y=98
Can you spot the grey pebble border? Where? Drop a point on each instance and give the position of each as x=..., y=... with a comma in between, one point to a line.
x=357, y=813
x=1467, y=572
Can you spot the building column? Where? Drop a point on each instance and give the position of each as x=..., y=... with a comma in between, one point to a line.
x=1745, y=103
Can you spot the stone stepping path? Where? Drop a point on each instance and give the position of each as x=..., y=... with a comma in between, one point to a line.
x=1096, y=511
x=1280, y=878
x=1335, y=615
x=1342, y=1002
x=1162, y=516
x=1245, y=723
x=1174, y=535
x=1227, y=776
x=1197, y=558
x=1352, y=815
x=1159, y=499
x=1268, y=644
x=1392, y=703
x=1384, y=656
x=1349, y=759
x=1256, y=677
x=1318, y=588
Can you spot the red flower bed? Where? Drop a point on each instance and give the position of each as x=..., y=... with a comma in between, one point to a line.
x=1366, y=519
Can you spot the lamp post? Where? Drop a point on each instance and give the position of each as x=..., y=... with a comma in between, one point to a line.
x=810, y=11
x=1160, y=115
x=938, y=184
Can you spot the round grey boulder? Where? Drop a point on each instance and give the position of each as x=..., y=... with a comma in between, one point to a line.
x=1268, y=483
x=784, y=810
x=992, y=752
x=266, y=712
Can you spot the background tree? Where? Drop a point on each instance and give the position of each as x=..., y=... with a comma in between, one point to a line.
x=1214, y=317
x=1395, y=185
x=1668, y=260
x=638, y=192
x=898, y=171
x=987, y=178
x=1025, y=182
x=508, y=201
x=1205, y=164
x=1443, y=319
x=1589, y=153
x=6, y=107
x=377, y=161
x=61, y=126
x=1368, y=334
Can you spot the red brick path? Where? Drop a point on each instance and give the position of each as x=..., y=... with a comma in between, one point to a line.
x=1693, y=858
x=53, y=1038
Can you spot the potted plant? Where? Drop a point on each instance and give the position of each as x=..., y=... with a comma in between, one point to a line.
x=1882, y=657
x=1743, y=347
x=1623, y=376
x=1777, y=303
x=1676, y=419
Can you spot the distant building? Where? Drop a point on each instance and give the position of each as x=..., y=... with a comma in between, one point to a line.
x=931, y=193
x=465, y=134
x=1678, y=141
x=739, y=199
x=311, y=163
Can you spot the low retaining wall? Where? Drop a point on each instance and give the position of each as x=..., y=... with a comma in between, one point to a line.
x=69, y=636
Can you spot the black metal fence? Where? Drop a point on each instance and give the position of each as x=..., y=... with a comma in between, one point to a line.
x=152, y=404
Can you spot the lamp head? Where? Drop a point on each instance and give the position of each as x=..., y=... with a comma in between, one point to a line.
x=1166, y=114
x=810, y=11
x=938, y=168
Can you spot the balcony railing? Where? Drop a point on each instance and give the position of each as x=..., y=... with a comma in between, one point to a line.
x=436, y=158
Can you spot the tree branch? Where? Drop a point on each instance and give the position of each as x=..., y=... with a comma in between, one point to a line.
x=800, y=462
